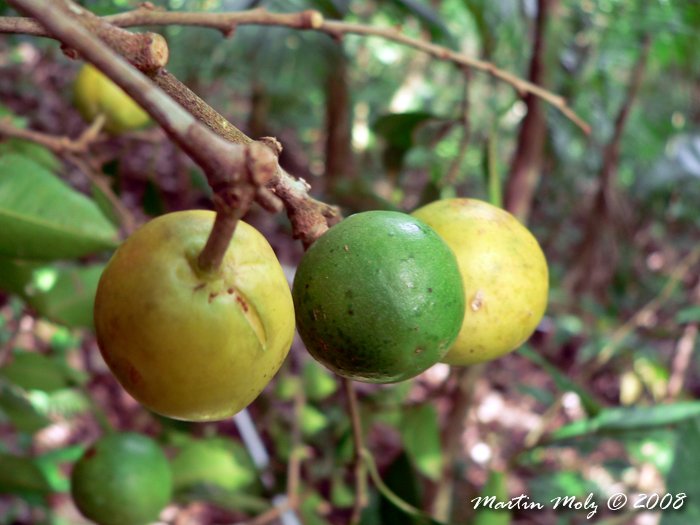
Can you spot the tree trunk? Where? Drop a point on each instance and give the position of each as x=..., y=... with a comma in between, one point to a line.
x=527, y=162
x=597, y=254
x=340, y=160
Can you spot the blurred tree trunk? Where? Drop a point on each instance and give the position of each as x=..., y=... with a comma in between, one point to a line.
x=597, y=254
x=259, y=110
x=340, y=160
x=527, y=161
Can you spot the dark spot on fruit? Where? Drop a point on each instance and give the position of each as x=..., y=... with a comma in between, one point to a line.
x=430, y=290
x=199, y=286
x=230, y=291
x=134, y=377
x=307, y=286
x=212, y=295
x=471, y=351
x=351, y=312
x=90, y=452
x=242, y=303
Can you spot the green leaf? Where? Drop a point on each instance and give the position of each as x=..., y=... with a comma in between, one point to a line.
x=623, y=419
x=31, y=150
x=20, y=474
x=430, y=18
x=420, y=432
x=215, y=462
x=318, y=382
x=312, y=421
x=683, y=477
x=342, y=496
x=20, y=412
x=64, y=293
x=495, y=486
x=104, y=204
x=687, y=315
x=33, y=371
x=310, y=508
x=398, y=128
x=564, y=384
x=419, y=517
x=43, y=218
x=401, y=480
x=51, y=465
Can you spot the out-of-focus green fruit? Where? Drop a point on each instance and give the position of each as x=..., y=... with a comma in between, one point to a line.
x=187, y=344
x=94, y=93
x=122, y=479
x=378, y=297
x=505, y=275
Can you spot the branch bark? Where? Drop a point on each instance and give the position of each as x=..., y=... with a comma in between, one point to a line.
x=527, y=162
x=204, y=143
x=227, y=23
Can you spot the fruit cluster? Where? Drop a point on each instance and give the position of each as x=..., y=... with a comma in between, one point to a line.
x=380, y=297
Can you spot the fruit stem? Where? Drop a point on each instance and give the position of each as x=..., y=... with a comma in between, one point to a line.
x=219, y=239
x=360, y=467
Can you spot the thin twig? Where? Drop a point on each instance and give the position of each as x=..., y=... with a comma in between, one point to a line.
x=236, y=173
x=227, y=23
x=360, y=467
x=298, y=451
x=58, y=145
x=453, y=173
x=684, y=351
x=466, y=378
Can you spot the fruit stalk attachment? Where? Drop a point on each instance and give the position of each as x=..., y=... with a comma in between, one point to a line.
x=236, y=184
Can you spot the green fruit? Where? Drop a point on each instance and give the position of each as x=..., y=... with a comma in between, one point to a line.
x=94, y=94
x=505, y=275
x=378, y=297
x=122, y=479
x=187, y=344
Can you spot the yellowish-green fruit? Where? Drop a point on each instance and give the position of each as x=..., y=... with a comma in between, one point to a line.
x=122, y=479
x=505, y=276
x=94, y=93
x=187, y=344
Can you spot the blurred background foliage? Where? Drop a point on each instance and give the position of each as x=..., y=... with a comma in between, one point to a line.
x=604, y=397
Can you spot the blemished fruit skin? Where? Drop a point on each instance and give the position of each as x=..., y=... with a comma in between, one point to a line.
x=122, y=479
x=187, y=344
x=378, y=297
x=505, y=276
x=94, y=93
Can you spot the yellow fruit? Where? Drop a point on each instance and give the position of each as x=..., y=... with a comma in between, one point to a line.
x=122, y=479
x=94, y=93
x=505, y=276
x=186, y=344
